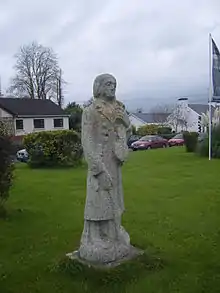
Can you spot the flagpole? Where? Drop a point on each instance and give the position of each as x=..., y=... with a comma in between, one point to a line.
x=210, y=97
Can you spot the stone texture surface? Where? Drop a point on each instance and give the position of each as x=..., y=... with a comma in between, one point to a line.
x=133, y=253
x=105, y=128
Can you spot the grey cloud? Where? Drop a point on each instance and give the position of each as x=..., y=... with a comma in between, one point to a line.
x=156, y=51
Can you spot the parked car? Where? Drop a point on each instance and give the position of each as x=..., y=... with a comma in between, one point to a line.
x=177, y=140
x=132, y=139
x=22, y=155
x=149, y=142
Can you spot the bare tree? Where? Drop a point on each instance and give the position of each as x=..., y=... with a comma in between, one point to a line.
x=179, y=118
x=160, y=114
x=38, y=75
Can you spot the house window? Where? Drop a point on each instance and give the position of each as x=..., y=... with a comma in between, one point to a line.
x=38, y=123
x=58, y=123
x=19, y=124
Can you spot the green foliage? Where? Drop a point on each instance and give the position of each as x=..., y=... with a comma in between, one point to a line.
x=148, y=129
x=53, y=148
x=6, y=167
x=191, y=140
x=133, y=130
x=203, y=147
x=75, y=112
x=164, y=130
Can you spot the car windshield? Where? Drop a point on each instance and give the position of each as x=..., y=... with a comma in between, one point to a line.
x=147, y=138
x=178, y=136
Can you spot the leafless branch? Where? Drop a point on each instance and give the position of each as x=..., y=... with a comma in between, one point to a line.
x=37, y=73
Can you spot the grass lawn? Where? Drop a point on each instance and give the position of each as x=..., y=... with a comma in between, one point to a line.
x=173, y=210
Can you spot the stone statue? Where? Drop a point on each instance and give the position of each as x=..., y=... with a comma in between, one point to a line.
x=105, y=129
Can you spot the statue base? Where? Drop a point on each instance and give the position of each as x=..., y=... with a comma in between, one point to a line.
x=133, y=253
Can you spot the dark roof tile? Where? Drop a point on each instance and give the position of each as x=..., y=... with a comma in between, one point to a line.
x=152, y=117
x=200, y=108
x=30, y=107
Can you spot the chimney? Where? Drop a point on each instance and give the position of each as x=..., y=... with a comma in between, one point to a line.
x=183, y=102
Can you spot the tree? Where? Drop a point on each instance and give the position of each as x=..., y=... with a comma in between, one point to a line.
x=215, y=118
x=38, y=75
x=75, y=112
x=160, y=114
x=179, y=118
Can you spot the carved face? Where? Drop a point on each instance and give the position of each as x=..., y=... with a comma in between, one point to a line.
x=104, y=87
x=109, y=88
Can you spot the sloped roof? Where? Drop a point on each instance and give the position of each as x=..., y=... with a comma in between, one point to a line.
x=30, y=107
x=152, y=117
x=199, y=108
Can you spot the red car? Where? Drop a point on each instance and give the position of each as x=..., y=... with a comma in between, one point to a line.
x=149, y=142
x=177, y=140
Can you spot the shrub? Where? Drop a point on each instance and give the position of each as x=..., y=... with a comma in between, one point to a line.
x=53, y=148
x=164, y=130
x=203, y=146
x=133, y=130
x=190, y=139
x=148, y=129
x=6, y=167
x=168, y=135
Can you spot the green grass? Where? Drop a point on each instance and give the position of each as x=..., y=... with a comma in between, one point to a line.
x=172, y=211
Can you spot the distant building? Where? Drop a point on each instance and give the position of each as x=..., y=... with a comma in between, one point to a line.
x=184, y=116
x=139, y=119
x=187, y=116
x=26, y=115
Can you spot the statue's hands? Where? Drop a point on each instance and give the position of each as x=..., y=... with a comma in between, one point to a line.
x=105, y=180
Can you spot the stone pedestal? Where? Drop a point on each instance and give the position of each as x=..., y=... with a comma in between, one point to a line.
x=132, y=254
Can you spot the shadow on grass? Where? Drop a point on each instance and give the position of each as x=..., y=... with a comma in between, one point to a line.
x=109, y=278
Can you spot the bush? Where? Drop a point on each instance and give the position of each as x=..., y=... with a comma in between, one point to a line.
x=164, y=130
x=149, y=129
x=168, y=135
x=190, y=139
x=6, y=167
x=133, y=130
x=53, y=148
x=203, y=146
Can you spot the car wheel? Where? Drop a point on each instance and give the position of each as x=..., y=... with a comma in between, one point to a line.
x=148, y=148
x=164, y=146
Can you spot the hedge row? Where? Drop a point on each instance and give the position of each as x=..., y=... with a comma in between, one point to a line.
x=53, y=148
x=6, y=167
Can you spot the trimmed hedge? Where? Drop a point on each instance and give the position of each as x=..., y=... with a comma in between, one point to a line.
x=191, y=140
x=6, y=167
x=148, y=129
x=53, y=148
x=203, y=146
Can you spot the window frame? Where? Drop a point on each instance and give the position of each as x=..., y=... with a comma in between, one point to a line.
x=61, y=119
x=39, y=119
x=16, y=126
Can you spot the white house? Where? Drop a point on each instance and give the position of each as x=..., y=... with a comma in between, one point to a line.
x=139, y=119
x=32, y=115
x=187, y=116
x=184, y=116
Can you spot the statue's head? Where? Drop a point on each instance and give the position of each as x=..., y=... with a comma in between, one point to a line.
x=104, y=87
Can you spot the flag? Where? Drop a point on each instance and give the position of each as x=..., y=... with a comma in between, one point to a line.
x=215, y=72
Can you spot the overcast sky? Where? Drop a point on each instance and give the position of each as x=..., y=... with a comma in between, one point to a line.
x=157, y=50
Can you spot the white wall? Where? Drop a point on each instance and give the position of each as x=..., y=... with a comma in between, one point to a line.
x=4, y=114
x=192, y=120
x=182, y=111
x=28, y=125
x=135, y=121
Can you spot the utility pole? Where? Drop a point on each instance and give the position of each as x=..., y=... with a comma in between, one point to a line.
x=59, y=90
